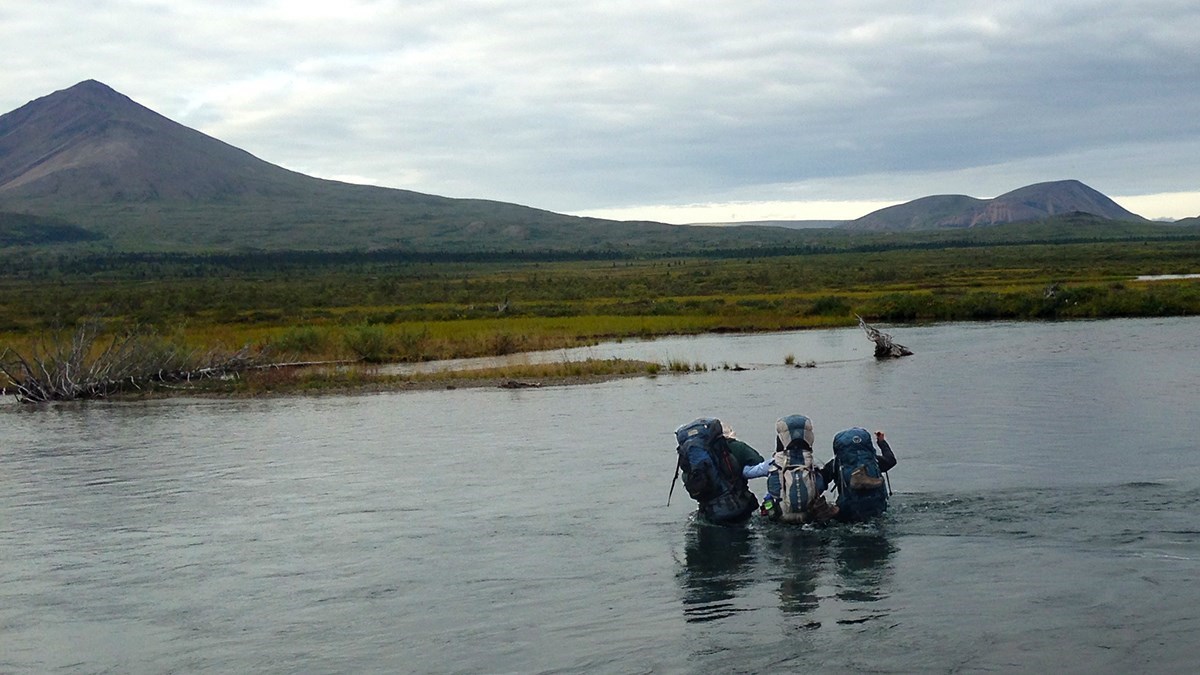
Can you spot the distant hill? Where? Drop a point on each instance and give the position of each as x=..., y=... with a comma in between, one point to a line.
x=1032, y=202
x=87, y=166
x=92, y=157
x=790, y=224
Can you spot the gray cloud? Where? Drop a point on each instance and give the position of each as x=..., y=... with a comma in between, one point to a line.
x=622, y=103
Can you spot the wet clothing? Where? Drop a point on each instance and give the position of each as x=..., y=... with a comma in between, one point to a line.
x=737, y=503
x=747, y=461
x=887, y=460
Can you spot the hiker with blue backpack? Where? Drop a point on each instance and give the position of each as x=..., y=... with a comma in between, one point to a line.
x=859, y=474
x=716, y=467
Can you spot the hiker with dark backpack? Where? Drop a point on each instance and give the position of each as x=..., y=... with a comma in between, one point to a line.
x=715, y=467
x=858, y=474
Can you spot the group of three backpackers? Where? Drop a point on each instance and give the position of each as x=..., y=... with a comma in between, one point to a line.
x=716, y=467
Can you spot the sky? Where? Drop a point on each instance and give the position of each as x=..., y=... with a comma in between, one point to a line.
x=669, y=110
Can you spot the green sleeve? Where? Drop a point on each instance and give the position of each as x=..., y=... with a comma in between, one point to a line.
x=743, y=453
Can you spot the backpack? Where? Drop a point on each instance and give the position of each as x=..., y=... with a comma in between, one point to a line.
x=708, y=472
x=793, y=482
x=861, y=490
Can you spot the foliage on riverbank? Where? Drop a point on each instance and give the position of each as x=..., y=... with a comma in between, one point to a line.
x=384, y=311
x=86, y=364
x=361, y=377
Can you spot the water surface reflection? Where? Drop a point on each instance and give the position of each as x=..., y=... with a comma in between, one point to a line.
x=524, y=530
x=847, y=568
x=716, y=564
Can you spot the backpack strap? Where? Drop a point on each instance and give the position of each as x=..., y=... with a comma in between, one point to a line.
x=725, y=461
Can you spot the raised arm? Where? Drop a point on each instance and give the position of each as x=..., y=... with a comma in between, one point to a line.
x=887, y=459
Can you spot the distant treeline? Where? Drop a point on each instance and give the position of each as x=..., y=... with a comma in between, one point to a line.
x=20, y=229
x=184, y=265
x=42, y=264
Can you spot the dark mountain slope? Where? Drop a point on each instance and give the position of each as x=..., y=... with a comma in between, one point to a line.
x=1051, y=199
x=1032, y=202
x=91, y=156
x=933, y=212
x=92, y=144
x=20, y=229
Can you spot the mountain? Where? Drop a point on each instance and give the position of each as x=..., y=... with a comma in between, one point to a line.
x=92, y=158
x=1032, y=202
x=90, y=143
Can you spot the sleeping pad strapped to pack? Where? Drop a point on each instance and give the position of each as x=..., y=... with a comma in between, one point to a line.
x=710, y=474
x=793, y=481
x=861, y=490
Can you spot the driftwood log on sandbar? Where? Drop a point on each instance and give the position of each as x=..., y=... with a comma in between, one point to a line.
x=84, y=365
x=884, y=347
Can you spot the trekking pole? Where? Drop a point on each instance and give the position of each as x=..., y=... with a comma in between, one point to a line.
x=672, y=490
x=887, y=479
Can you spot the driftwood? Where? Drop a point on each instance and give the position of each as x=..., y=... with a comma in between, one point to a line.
x=517, y=384
x=884, y=347
x=82, y=366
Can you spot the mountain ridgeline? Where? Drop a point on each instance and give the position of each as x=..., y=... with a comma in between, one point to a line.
x=88, y=164
x=1032, y=202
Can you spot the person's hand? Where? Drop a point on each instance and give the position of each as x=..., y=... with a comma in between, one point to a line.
x=878, y=435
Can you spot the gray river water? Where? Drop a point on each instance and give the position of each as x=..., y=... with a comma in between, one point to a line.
x=1045, y=519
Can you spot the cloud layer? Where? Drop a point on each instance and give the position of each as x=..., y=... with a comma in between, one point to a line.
x=615, y=104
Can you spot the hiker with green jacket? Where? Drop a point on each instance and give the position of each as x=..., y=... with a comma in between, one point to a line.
x=750, y=462
x=715, y=467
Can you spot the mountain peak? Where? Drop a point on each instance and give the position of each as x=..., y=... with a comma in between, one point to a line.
x=91, y=86
x=86, y=93
x=91, y=143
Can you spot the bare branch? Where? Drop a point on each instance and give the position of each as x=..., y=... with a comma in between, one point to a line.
x=884, y=347
x=61, y=368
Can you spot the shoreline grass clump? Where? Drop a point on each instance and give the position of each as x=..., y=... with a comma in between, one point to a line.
x=362, y=376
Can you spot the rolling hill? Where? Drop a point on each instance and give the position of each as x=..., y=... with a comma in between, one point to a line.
x=1032, y=202
x=89, y=166
x=92, y=158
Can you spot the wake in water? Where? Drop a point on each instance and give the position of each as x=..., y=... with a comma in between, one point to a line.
x=1138, y=517
x=854, y=563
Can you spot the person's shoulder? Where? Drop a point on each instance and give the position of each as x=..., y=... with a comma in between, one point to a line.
x=736, y=445
x=743, y=450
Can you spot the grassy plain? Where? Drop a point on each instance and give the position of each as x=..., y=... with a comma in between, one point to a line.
x=379, y=309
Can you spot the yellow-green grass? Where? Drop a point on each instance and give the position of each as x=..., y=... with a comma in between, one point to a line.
x=331, y=338
x=427, y=311
x=363, y=377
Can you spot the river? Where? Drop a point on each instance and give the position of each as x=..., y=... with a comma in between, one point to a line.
x=1044, y=519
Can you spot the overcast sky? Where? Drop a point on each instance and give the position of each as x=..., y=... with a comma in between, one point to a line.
x=683, y=111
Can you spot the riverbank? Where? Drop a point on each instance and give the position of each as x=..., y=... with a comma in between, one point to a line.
x=372, y=379
x=392, y=316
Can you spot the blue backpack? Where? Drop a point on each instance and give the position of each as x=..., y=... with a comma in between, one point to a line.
x=709, y=474
x=862, y=492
